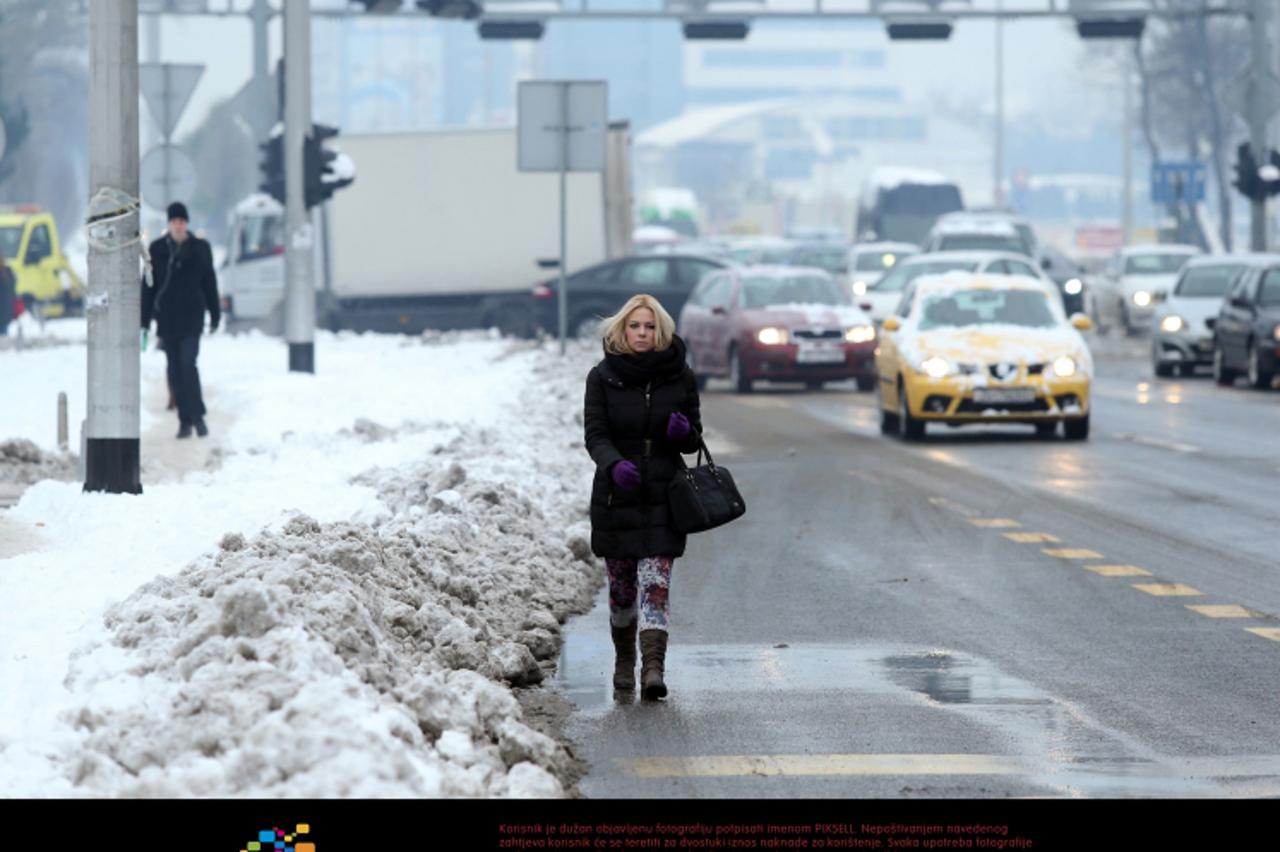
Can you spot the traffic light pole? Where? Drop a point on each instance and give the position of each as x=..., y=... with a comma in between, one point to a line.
x=1260, y=63
x=112, y=303
x=300, y=299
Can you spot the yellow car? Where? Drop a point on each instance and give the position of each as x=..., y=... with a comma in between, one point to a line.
x=978, y=348
x=29, y=241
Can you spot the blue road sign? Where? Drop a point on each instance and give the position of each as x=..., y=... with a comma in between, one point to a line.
x=1174, y=182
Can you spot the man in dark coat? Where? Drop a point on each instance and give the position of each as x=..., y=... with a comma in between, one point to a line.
x=184, y=287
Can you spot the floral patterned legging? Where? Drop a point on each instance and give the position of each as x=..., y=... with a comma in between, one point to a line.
x=651, y=577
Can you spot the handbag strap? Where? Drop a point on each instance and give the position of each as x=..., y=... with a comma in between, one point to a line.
x=702, y=448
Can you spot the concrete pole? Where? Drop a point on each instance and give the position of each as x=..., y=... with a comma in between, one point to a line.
x=155, y=223
x=564, y=219
x=113, y=299
x=265, y=116
x=1126, y=133
x=997, y=191
x=300, y=298
x=1260, y=63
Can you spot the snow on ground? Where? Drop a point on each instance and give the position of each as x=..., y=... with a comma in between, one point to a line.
x=335, y=608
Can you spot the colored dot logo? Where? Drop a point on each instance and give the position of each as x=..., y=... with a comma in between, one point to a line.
x=276, y=840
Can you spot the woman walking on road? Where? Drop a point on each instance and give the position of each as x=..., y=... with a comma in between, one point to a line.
x=641, y=412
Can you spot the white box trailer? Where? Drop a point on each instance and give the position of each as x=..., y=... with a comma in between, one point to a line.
x=439, y=230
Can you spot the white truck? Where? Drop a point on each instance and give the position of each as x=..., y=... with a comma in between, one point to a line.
x=439, y=230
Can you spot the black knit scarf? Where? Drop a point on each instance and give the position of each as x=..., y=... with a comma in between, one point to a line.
x=641, y=368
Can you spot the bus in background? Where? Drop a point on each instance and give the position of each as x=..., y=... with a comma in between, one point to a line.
x=901, y=205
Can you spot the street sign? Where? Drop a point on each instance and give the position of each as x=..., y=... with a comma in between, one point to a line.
x=167, y=88
x=167, y=175
x=1172, y=183
x=541, y=118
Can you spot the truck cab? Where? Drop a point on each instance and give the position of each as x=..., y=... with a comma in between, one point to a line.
x=45, y=279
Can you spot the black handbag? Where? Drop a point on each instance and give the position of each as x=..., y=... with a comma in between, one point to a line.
x=703, y=497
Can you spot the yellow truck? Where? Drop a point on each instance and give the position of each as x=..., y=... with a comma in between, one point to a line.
x=45, y=280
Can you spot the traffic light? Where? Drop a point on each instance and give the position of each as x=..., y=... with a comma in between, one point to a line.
x=1247, y=180
x=1110, y=27
x=273, y=166
x=325, y=171
x=466, y=9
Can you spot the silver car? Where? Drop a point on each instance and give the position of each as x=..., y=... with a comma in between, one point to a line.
x=1183, y=332
x=1139, y=276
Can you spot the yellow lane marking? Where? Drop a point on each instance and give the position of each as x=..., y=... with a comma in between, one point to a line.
x=1119, y=570
x=1072, y=553
x=1223, y=611
x=820, y=764
x=1166, y=589
x=994, y=523
x=1272, y=633
x=1030, y=538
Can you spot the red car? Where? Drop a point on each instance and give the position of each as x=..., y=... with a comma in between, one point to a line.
x=783, y=323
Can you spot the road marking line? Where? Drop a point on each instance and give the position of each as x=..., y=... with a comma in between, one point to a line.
x=1272, y=633
x=1223, y=611
x=1119, y=570
x=994, y=523
x=1166, y=589
x=1071, y=553
x=946, y=458
x=1157, y=442
x=1031, y=538
x=762, y=402
x=960, y=508
x=820, y=764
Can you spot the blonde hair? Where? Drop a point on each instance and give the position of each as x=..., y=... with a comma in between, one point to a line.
x=615, y=332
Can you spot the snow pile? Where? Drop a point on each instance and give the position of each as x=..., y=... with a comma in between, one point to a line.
x=368, y=653
x=22, y=463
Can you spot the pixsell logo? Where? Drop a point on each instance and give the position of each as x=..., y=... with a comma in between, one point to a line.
x=276, y=840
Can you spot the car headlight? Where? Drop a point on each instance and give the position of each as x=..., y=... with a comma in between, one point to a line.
x=1276, y=333
x=1142, y=298
x=935, y=367
x=1064, y=366
x=772, y=336
x=859, y=288
x=860, y=334
x=1073, y=287
x=1172, y=324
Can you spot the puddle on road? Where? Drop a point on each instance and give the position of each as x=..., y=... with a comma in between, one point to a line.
x=1060, y=748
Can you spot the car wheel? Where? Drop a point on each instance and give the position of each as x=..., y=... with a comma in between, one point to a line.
x=1163, y=370
x=912, y=429
x=737, y=378
x=866, y=383
x=1258, y=377
x=814, y=385
x=1076, y=429
x=1222, y=374
x=1125, y=323
x=1046, y=430
x=888, y=419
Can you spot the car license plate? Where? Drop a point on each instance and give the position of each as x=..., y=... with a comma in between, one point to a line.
x=985, y=395
x=813, y=354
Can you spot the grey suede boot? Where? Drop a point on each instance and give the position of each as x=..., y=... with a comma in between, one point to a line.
x=653, y=655
x=624, y=646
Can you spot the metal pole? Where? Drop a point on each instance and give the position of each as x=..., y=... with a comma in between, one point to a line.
x=265, y=117
x=62, y=421
x=300, y=300
x=1126, y=88
x=1260, y=61
x=112, y=431
x=168, y=116
x=564, y=228
x=997, y=194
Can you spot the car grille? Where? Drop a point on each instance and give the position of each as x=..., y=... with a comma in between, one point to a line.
x=968, y=406
x=817, y=334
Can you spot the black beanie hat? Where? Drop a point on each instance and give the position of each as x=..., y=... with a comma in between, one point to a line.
x=178, y=210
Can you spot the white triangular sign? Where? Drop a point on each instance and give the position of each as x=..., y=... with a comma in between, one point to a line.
x=167, y=89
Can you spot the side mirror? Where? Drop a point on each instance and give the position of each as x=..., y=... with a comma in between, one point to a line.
x=891, y=324
x=866, y=306
x=720, y=310
x=1045, y=263
x=1080, y=322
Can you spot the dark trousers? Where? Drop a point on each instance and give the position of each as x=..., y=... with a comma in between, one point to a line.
x=184, y=377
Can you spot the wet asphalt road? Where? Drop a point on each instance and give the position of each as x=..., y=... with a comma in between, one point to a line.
x=985, y=614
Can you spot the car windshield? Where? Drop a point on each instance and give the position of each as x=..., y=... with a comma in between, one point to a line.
x=981, y=242
x=879, y=261
x=833, y=260
x=897, y=279
x=763, y=291
x=1154, y=264
x=963, y=308
x=1207, y=281
x=930, y=199
x=10, y=239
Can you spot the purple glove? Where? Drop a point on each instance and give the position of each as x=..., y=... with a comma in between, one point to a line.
x=677, y=426
x=626, y=475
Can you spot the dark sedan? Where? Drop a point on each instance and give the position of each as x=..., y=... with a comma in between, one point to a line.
x=599, y=291
x=782, y=323
x=1246, y=334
